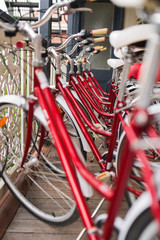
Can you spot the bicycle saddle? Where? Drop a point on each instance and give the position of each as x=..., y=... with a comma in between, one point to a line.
x=115, y=63
x=131, y=35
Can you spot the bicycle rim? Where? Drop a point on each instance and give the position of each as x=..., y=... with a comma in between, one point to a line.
x=49, y=196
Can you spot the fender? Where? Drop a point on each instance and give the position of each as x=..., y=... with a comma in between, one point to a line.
x=17, y=100
x=140, y=205
x=79, y=101
x=76, y=95
x=86, y=188
x=23, y=103
x=59, y=98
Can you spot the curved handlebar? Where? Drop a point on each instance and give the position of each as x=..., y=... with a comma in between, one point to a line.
x=66, y=10
x=63, y=45
x=68, y=6
x=79, y=44
x=95, y=52
x=39, y=23
x=83, y=34
x=91, y=50
x=47, y=15
x=85, y=43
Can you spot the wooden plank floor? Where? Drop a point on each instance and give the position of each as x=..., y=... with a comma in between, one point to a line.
x=26, y=227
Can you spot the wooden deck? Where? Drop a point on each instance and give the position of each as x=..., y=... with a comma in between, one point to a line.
x=26, y=227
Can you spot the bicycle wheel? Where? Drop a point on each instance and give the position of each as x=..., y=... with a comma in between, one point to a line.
x=135, y=181
x=49, y=197
x=144, y=228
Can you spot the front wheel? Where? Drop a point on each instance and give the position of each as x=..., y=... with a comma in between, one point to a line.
x=49, y=196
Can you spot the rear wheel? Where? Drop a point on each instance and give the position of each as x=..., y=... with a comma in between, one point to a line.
x=144, y=228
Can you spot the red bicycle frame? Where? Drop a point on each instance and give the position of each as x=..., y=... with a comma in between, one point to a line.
x=112, y=94
x=83, y=94
x=73, y=105
x=68, y=154
x=90, y=74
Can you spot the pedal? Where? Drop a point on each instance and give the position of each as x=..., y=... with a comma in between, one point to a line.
x=99, y=126
x=106, y=177
x=95, y=135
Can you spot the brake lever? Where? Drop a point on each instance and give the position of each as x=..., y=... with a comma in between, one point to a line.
x=67, y=10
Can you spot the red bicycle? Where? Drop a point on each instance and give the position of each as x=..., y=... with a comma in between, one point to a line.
x=47, y=113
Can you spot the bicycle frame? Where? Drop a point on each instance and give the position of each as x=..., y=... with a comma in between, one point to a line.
x=77, y=84
x=112, y=93
x=66, y=93
x=78, y=114
x=96, y=84
x=91, y=101
x=87, y=85
x=73, y=105
x=68, y=154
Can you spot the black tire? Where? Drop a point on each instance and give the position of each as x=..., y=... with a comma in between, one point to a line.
x=143, y=228
x=49, y=197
